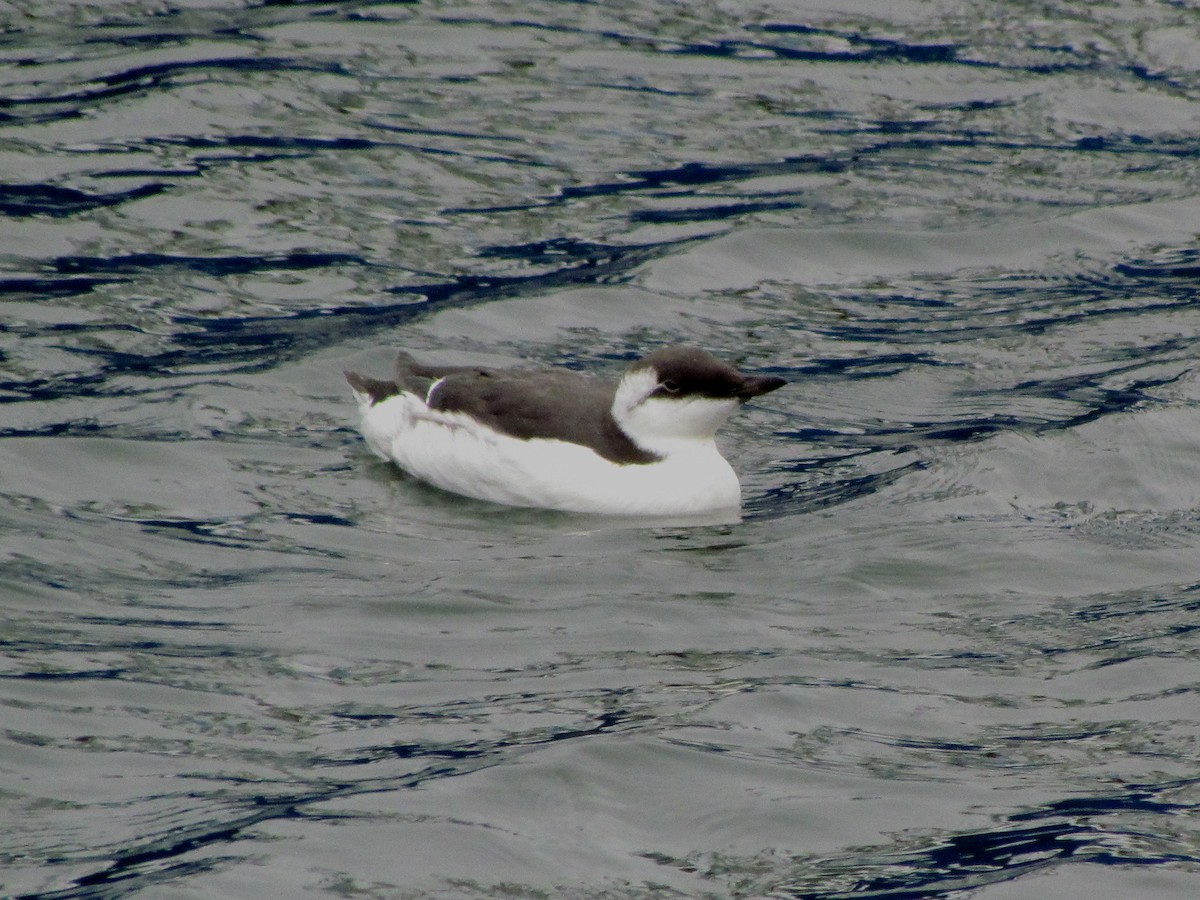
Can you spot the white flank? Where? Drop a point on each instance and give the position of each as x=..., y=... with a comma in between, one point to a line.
x=456, y=453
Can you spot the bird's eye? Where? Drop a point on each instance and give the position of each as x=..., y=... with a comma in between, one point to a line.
x=671, y=387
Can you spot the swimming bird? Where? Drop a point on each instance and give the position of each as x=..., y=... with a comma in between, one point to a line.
x=641, y=445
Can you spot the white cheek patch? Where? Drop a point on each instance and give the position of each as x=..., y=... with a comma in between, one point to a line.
x=691, y=417
x=635, y=387
x=658, y=423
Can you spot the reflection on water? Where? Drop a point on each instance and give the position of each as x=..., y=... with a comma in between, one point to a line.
x=950, y=648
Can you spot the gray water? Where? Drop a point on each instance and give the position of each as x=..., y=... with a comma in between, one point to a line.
x=950, y=651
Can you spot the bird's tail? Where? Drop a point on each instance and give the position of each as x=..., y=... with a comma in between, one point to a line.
x=369, y=391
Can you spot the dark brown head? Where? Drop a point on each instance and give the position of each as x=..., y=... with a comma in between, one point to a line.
x=683, y=392
x=684, y=372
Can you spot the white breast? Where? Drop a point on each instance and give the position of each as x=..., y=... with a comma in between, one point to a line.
x=455, y=453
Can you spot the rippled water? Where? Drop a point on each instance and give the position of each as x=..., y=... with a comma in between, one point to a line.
x=951, y=650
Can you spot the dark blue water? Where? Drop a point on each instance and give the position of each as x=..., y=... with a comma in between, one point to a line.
x=951, y=650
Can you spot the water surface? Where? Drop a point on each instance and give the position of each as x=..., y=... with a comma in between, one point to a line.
x=951, y=649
